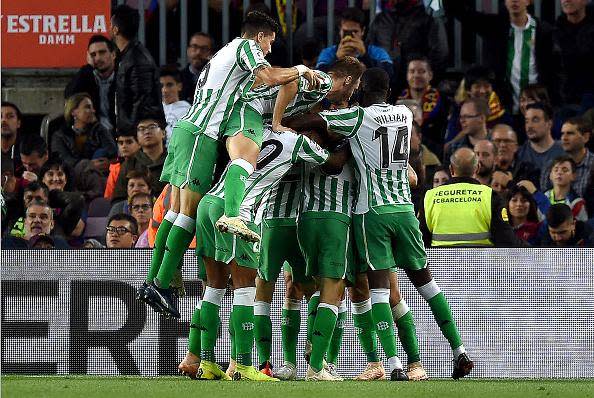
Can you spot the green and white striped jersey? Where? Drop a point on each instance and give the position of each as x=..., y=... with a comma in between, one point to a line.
x=283, y=199
x=280, y=151
x=327, y=193
x=222, y=81
x=262, y=100
x=380, y=140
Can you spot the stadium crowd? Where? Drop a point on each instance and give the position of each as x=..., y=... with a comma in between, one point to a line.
x=526, y=112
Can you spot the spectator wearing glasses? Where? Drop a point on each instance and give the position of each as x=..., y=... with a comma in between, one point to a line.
x=473, y=120
x=506, y=142
x=121, y=232
x=128, y=146
x=199, y=51
x=174, y=108
x=141, y=208
x=137, y=182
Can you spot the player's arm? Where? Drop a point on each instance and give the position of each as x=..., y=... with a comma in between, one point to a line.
x=278, y=76
x=285, y=95
x=331, y=159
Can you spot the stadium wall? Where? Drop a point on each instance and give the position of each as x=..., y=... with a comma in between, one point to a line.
x=526, y=313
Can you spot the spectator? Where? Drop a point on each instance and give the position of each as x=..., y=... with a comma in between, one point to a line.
x=33, y=151
x=574, y=35
x=92, y=244
x=563, y=230
x=530, y=94
x=137, y=182
x=408, y=31
x=506, y=144
x=523, y=214
x=15, y=221
x=575, y=134
x=464, y=213
x=174, y=109
x=477, y=83
x=541, y=148
x=500, y=182
x=309, y=53
x=137, y=77
x=517, y=46
x=149, y=160
x=39, y=220
x=352, y=30
x=82, y=137
x=485, y=152
x=473, y=119
x=200, y=50
x=441, y=176
x=11, y=123
x=98, y=79
x=41, y=241
x=419, y=76
x=141, y=208
x=128, y=146
x=121, y=232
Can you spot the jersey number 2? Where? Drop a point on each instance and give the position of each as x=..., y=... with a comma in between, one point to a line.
x=399, y=152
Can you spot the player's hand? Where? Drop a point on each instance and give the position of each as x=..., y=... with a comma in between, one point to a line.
x=529, y=185
x=313, y=80
x=413, y=179
x=29, y=176
x=279, y=128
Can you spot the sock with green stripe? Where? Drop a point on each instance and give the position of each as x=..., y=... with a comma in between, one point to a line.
x=363, y=322
x=238, y=172
x=336, y=340
x=262, y=330
x=232, y=336
x=312, y=310
x=382, y=318
x=243, y=323
x=407, y=331
x=210, y=321
x=290, y=325
x=323, y=329
x=194, y=337
x=178, y=241
x=160, y=240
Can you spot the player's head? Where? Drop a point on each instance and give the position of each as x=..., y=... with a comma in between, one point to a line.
x=346, y=75
x=375, y=86
x=261, y=28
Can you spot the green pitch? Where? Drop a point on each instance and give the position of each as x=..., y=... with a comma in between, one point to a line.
x=112, y=387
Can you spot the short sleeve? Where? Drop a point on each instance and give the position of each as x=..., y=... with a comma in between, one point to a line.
x=250, y=56
x=344, y=121
x=309, y=151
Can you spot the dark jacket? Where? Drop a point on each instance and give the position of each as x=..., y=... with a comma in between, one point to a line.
x=495, y=30
x=138, y=90
x=85, y=82
x=576, y=43
x=501, y=232
x=140, y=162
x=409, y=31
x=189, y=81
x=584, y=237
x=62, y=143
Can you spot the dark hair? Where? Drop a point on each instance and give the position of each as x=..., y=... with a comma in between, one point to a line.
x=127, y=133
x=477, y=73
x=310, y=49
x=43, y=203
x=543, y=106
x=375, y=80
x=33, y=143
x=150, y=116
x=202, y=34
x=558, y=214
x=126, y=19
x=582, y=124
x=480, y=105
x=36, y=186
x=520, y=190
x=170, y=71
x=138, y=174
x=125, y=217
x=256, y=22
x=353, y=14
x=536, y=92
x=348, y=66
x=420, y=58
x=55, y=163
x=102, y=39
x=562, y=159
x=444, y=169
x=16, y=108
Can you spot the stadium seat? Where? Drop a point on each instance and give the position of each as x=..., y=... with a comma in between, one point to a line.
x=95, y=228
x=99, y=207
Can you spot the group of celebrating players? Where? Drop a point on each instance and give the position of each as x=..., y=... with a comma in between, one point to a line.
x=311, y=181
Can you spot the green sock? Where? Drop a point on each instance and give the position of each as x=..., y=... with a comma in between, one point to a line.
x=262, y=330
x=363, y=322
x=407, y=331
x=178, y=241
x=312, y=310
x=194, y=337
x=323, y=329
x=238, y=172
x=232, y=336
x=336, y=340
x=160, y=240
x=444, y=318
x=384, y=325
x=290, y=325
x=243, y=323
x=210, y=322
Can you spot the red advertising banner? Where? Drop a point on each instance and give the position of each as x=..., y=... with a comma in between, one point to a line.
x=50, y=34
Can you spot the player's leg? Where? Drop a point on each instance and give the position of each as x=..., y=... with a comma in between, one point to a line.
x=407, y=331
x=336, y=340
x=412, y=257
x=263, y=323
x=290, y=325
x=189, y=365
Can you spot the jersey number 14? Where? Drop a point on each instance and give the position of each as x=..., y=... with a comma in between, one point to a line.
x=399, y=151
